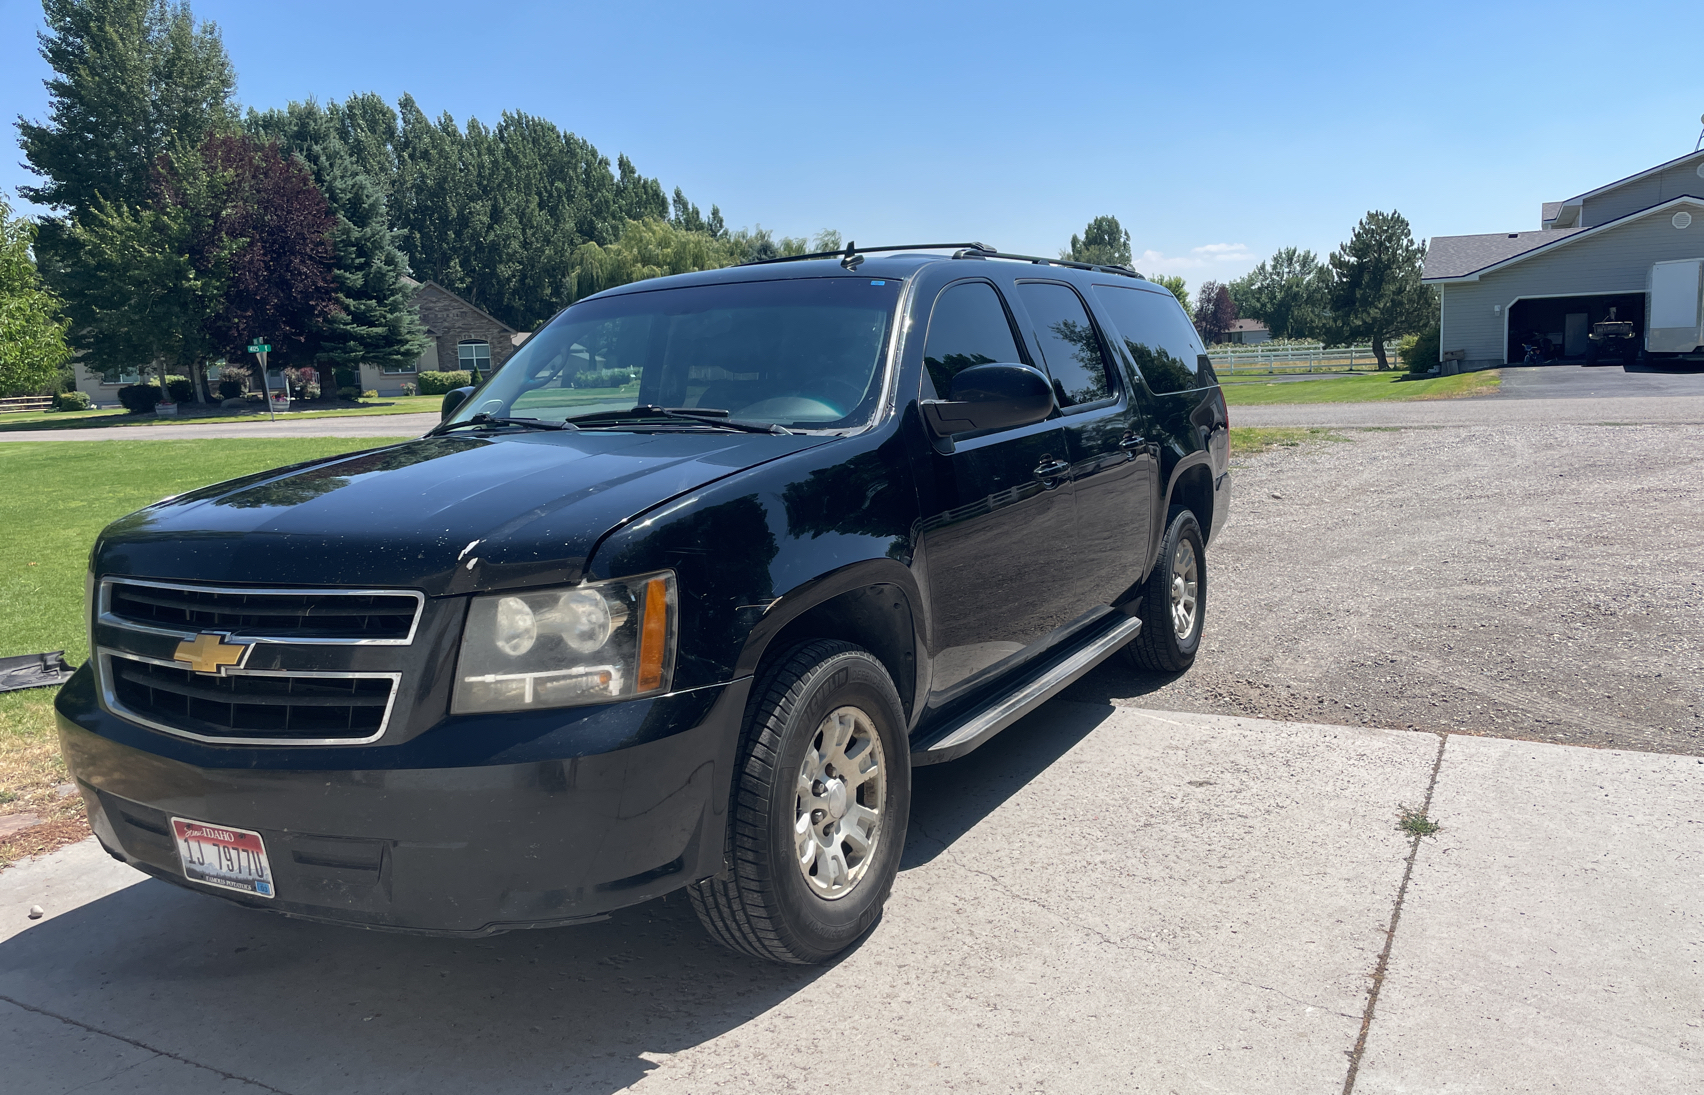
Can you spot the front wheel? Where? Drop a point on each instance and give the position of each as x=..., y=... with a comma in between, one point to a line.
x=821, y=798
x=1173, y=604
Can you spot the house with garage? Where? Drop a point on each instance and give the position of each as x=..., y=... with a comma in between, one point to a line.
x=1635, y=246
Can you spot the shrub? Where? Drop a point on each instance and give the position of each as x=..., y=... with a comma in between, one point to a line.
x=71, y=401
x=439, y=383
x=408, y=389
x=369, y=394
x=230, y=389
x=139, y=398
x=180, y=388
x=349, y=392
x=1420, y=352
x=310, y=391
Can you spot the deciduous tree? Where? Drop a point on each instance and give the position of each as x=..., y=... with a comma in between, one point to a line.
x=1288, y=292
x=1215, y=312
x=32, y=331
x=1104, y=242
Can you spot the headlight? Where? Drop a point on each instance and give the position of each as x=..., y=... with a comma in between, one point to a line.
x=583, y=644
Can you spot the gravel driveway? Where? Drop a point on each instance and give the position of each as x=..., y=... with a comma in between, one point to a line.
x=1524, y=579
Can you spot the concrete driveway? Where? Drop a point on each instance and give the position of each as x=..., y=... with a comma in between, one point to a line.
x=1100, y=900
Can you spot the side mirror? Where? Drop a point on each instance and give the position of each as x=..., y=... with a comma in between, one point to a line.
x=991, y=397
x=453, y=399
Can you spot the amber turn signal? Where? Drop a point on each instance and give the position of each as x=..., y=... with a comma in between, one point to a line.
x=653, y=635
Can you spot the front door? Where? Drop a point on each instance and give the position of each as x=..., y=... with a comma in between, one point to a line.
x=997, y=520
x=1113, y=466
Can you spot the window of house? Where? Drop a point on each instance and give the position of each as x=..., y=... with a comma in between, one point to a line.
x=967, y=327
x=122, y=376
x=1069, y=343
x=1162, y=344
x=475, y=356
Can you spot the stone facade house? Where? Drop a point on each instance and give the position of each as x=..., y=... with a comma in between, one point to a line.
x=463, y=337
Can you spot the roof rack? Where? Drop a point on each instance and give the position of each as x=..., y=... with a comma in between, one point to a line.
x=851, y=255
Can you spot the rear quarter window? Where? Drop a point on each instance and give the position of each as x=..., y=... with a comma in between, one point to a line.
x=1157, y=338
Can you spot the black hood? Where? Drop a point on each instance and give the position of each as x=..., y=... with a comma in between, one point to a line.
x=441, y=514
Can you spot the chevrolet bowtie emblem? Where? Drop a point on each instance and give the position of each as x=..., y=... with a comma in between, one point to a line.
x=208, y=653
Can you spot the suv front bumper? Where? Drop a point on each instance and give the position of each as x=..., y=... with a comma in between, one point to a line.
x=506, y=822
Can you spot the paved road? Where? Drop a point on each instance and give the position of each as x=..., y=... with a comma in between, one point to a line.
x=1099, y=900
x=1578, y=382
x=370, y=425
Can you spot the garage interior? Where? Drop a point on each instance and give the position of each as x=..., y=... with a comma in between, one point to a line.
x=1561, y=323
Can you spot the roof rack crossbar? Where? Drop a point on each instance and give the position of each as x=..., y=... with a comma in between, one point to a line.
x=848, y=255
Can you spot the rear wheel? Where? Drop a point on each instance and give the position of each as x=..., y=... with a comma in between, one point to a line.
x=822, y=793
x=1173, y=603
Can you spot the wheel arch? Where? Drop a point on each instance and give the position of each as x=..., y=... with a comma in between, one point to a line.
x=874, y=604
x=1192, y=487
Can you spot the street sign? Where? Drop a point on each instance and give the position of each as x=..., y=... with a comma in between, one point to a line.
x=258, y=348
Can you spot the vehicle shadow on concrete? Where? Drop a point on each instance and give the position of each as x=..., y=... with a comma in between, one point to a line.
x=301, y=1006
x=948, y=800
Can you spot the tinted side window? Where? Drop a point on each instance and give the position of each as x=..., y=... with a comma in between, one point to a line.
x=1161, y=342
x=1068, y=343
x=968, y=327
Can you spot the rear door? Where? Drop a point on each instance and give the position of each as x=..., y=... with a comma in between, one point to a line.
x=996, y=512
x=1113, y=470
x=1164, y=356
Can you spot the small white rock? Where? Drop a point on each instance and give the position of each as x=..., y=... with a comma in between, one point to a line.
x=36, y=912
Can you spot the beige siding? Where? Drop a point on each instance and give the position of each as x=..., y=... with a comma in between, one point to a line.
x=1681, y=179
x=1617, y=260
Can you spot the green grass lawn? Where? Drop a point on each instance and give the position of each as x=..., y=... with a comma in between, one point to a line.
x=1248, y=440
x=58, y=496
x=77, y=420
x=1372, y=388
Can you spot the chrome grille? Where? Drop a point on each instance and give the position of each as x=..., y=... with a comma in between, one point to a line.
x=313, y=616
x=252, y=707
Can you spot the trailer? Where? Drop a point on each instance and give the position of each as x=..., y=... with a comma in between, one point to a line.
x=1674, y=325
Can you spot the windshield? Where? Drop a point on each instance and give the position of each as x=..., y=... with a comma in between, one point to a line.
x=804, y=354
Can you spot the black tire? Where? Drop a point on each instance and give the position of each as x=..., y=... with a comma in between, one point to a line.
x=765, y=906
x=1158, y=648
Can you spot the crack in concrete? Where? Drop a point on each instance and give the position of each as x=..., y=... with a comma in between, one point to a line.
x=1000, y=884
x=1383, y=965
x=156, y=1050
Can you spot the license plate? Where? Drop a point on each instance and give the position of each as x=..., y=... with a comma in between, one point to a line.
x=232, y=859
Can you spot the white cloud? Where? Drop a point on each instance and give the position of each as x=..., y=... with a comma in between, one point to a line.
x=1211, y=260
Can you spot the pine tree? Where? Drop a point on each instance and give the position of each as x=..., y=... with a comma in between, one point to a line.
x=1376, y=292
x=375, y=320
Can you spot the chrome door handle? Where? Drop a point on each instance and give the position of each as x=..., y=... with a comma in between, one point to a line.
x=1130, y=442
x=1052, y=469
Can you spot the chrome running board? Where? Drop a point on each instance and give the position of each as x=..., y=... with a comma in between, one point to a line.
x=989, y=721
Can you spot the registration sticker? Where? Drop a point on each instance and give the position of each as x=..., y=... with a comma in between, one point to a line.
x=232, y=859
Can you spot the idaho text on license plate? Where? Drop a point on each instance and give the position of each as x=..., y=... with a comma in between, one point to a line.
x=234, y=859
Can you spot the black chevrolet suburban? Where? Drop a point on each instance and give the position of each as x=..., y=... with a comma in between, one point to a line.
x=675, y=599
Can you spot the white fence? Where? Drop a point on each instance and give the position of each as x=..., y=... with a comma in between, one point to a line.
x=1291, y=357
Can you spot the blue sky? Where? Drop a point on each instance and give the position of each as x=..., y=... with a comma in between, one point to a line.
x=1215, y=132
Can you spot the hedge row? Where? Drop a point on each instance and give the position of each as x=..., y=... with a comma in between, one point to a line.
x=439, y=383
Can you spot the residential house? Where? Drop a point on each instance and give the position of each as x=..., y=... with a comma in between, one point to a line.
x=1593, y=252
x=463, y=337
x=1247, y=332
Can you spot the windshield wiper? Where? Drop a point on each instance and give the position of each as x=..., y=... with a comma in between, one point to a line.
x=483, y=420
x=704, y=416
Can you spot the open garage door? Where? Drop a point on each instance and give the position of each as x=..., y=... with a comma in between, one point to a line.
x=1563, y=322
